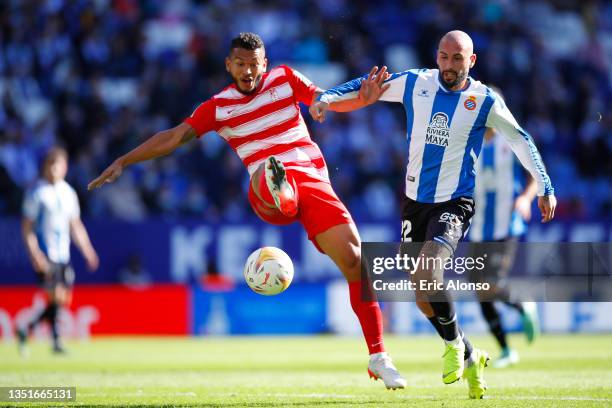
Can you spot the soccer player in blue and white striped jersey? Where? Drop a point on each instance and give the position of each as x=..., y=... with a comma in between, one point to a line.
x=504, y=207
x=447, y=113
x=51, y=217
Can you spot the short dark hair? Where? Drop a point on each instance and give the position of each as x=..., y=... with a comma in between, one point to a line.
x=53, y=154
x=56, y=152
x=247, y=41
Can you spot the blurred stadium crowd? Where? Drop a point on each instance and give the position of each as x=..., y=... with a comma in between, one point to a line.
x=101, y=76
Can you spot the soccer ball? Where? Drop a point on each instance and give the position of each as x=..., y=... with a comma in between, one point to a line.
x=268, y=271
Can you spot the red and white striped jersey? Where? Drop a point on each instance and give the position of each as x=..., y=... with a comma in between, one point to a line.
x=265, y=123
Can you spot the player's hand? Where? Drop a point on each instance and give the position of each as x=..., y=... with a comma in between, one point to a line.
x=547, y=205
x=374, y=85
x=108, y=176
x=92, y=261
x=317, y=110
x=522, y=204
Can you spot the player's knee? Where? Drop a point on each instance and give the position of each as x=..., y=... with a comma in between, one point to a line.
x=488, y=295
x=430, y=274
x=60, y=299
x=350, y=260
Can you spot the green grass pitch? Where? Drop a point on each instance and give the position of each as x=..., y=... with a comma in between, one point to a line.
x=557, y=371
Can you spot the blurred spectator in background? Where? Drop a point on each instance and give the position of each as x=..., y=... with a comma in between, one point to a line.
x=100, y=76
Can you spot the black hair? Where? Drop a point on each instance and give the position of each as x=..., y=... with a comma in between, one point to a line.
x=247, y=41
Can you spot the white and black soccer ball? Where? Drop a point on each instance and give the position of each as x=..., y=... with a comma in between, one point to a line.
x=268, y=271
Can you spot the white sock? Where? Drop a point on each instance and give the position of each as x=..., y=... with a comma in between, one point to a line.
x=378, y=355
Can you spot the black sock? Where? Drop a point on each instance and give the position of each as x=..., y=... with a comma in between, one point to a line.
x=44, y=315
x=445, y=313
x=494, y=321
x=468, y=346
x=52, y=319
x=436, y=324
x=516, y=305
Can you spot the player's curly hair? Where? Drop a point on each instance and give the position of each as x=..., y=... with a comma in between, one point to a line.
x=247, y=41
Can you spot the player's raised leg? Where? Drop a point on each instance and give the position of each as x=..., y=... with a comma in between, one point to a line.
x=271, y=185
x=341, y=243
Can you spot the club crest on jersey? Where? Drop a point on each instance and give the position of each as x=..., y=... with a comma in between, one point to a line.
x=274, y=94
x=438, y=131
x=470, y=103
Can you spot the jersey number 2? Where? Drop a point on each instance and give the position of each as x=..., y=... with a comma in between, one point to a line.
x=406, y=228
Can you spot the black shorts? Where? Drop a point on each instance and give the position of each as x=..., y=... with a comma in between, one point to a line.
x=498, y=260
x=446, y=223
x=58, y=274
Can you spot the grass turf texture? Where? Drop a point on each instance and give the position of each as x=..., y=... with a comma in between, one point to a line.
x=572, y=371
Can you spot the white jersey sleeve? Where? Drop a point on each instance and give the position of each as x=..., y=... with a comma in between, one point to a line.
x=350, y=89
x=521, y=143
x=397, y=87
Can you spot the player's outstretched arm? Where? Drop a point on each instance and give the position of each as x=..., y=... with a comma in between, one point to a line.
x=352, y=95
x=160, y=144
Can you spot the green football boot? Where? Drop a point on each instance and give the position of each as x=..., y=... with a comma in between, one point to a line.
x=453, y=362
x=507, y=358
x=531, y=322
x=474, y=374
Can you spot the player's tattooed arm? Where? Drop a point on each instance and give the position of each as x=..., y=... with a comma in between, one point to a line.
x=160, y=144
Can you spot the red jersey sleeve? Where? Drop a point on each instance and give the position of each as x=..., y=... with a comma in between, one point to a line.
x=202, y=119
x=303, y=88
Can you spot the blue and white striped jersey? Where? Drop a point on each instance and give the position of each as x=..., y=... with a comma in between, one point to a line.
x=499, y=180
x=51, y=207
x=445, y=131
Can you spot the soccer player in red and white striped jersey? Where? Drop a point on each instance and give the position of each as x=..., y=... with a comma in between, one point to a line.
x=259, y=116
